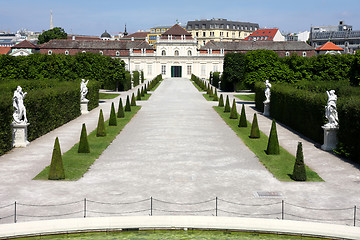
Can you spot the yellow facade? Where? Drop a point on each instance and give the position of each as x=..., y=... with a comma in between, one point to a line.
x=156, y=31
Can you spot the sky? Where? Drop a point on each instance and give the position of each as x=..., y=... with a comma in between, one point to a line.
x=90, y=17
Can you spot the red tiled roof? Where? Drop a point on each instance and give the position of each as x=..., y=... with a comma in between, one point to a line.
x=176, y=31
x=329, y=46
x=138, y=35
x=25, y=44
x=4, y=50
x=269, y=33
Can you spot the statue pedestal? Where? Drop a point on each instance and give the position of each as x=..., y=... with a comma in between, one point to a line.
x=266, y=109
x=330, y=138
x=19, y=134
x=84, y=106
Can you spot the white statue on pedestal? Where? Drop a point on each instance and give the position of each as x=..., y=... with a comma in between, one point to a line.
x=19, y=115
x=267, y=91
x=330, y=110
x=83, y=89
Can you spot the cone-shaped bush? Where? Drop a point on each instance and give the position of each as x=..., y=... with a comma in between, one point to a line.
x=133, y=102
x=227, y=105
x=127, y=105
x=221, y=101
x=142, y=92
x=112, y=119
x=145, y=89
x=83, y=144
x=243, y=121
x=299, y=173
x=101, y=131
x=56, y=171
x=255, y=132
x=233, y=114
x=215, y=96
x=120, y=113
x=138, y=96
x=273, y=147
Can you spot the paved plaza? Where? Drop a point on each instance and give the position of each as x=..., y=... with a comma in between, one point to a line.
x=177, y=149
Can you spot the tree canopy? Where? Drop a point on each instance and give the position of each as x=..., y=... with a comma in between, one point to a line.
x=55, y=33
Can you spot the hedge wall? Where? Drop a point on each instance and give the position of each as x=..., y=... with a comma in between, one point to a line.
x=136, y=78
x=6, y=111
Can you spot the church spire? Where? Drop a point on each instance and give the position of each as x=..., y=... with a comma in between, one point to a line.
x=125, y=32
x=51, y=21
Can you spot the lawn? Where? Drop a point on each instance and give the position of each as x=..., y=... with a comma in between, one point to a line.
x=108, y=95
x=250, y=97
x=76, y=164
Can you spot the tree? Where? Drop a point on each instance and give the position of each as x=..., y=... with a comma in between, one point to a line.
x=255, y=132
x=127, y=104
x=233, y=114
x=299, y=173
x=120, y=113
x=55, y=33
x=56, y=171
x=221, y=101
x=100, y=130
x=227, y=104
x=243, y=121
x=234, y=70
x=112, y=119
x=273, y=147
x=83, y=144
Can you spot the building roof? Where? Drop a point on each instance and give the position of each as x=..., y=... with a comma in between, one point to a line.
x=250, y=46
x=82, y=44
x=25, y=44
x=329, y=46
x=105, y=35
x=176, y=32
x=221, y=23
x=82, y=37
x=138, y=35
x=4, y=50
x=269, y=33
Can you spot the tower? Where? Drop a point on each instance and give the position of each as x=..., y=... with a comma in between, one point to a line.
x=125, y=32
x=51, y=21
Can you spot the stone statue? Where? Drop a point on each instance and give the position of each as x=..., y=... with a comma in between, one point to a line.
x=267, y=91
x=83, y=89
x=19, y=115
x=330, y=110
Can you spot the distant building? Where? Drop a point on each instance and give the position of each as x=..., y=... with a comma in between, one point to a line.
x=219, y=29
x=282, y=48
x=82, y=37
x=156, y=32
x=24, y=48
x=4, y=50
x=273, y=34
x=301, y=36
x=341, y=35
x=137, y=36
x=329, y=48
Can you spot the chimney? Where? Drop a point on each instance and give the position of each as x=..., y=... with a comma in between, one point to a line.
x=73, y=38
x=132, y=39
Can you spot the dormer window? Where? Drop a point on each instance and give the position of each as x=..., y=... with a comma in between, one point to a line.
x=163, y=53
x=66, y=52
x=101, y=52
x=83, y=51
x=117, y=53
x=189, y=53
x=176, y=53
x=49, y=52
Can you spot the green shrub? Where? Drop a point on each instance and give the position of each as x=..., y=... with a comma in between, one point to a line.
x=138, y=96
x=215, y=96
x=227, y=104
x=273, y=147
x=142, y=92
x=56, y=171
x=221, y=101
x=127, y=104
x=299, y=173
x=100, y=130
x=255, y=132
x=83, y=144
x=136, y=78
x=133, y=102
x=243, y=121
x=112, y=119
x=233, y=114
x=6, y=111
x=145, y=89
x=120, y=113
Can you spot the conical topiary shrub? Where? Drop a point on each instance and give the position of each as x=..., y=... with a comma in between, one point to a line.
x=133, y=102
x=56, y=171
x=233, y=114
x=83, y=144
x=138, y=97
x=299, y=173
x=215, y=96
x=101, y=131
x=120, y=113
x=127, y=105
x=255, y=132
x=273, y=147
x=145, y=90
x=227, y=105
x=221, y=101
x=243, y=121
x=112, y=119
x=142, y=93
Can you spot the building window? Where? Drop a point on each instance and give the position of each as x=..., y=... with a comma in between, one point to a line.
x=215, y=68
x=203, y=69
x=189, y=26
x=227, y=34
x=189, y=53
x=137, y=67
x=204, y=34
x=197, y=34
x=196, y=26
x=188, y=70
x=176, y=53
x=221, y=34
x=204, y=26
x=163, y=53
x=117, y=53
x=287, y=54
x=204, y=42
x=101, y=52
x=149, y=69
x=227, y=26
x=304, y=54
x=163, y=69
x=233, y=34
x=66, y=52
x=83, y=51
x=49, y=52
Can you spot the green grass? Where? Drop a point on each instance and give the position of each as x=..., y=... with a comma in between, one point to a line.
x=76, y=164
x=197, y=87
x=145, y=97
x=207, y=97
x=281, y=166
x=156, y=86
x=108, y=95
x=250, y=97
